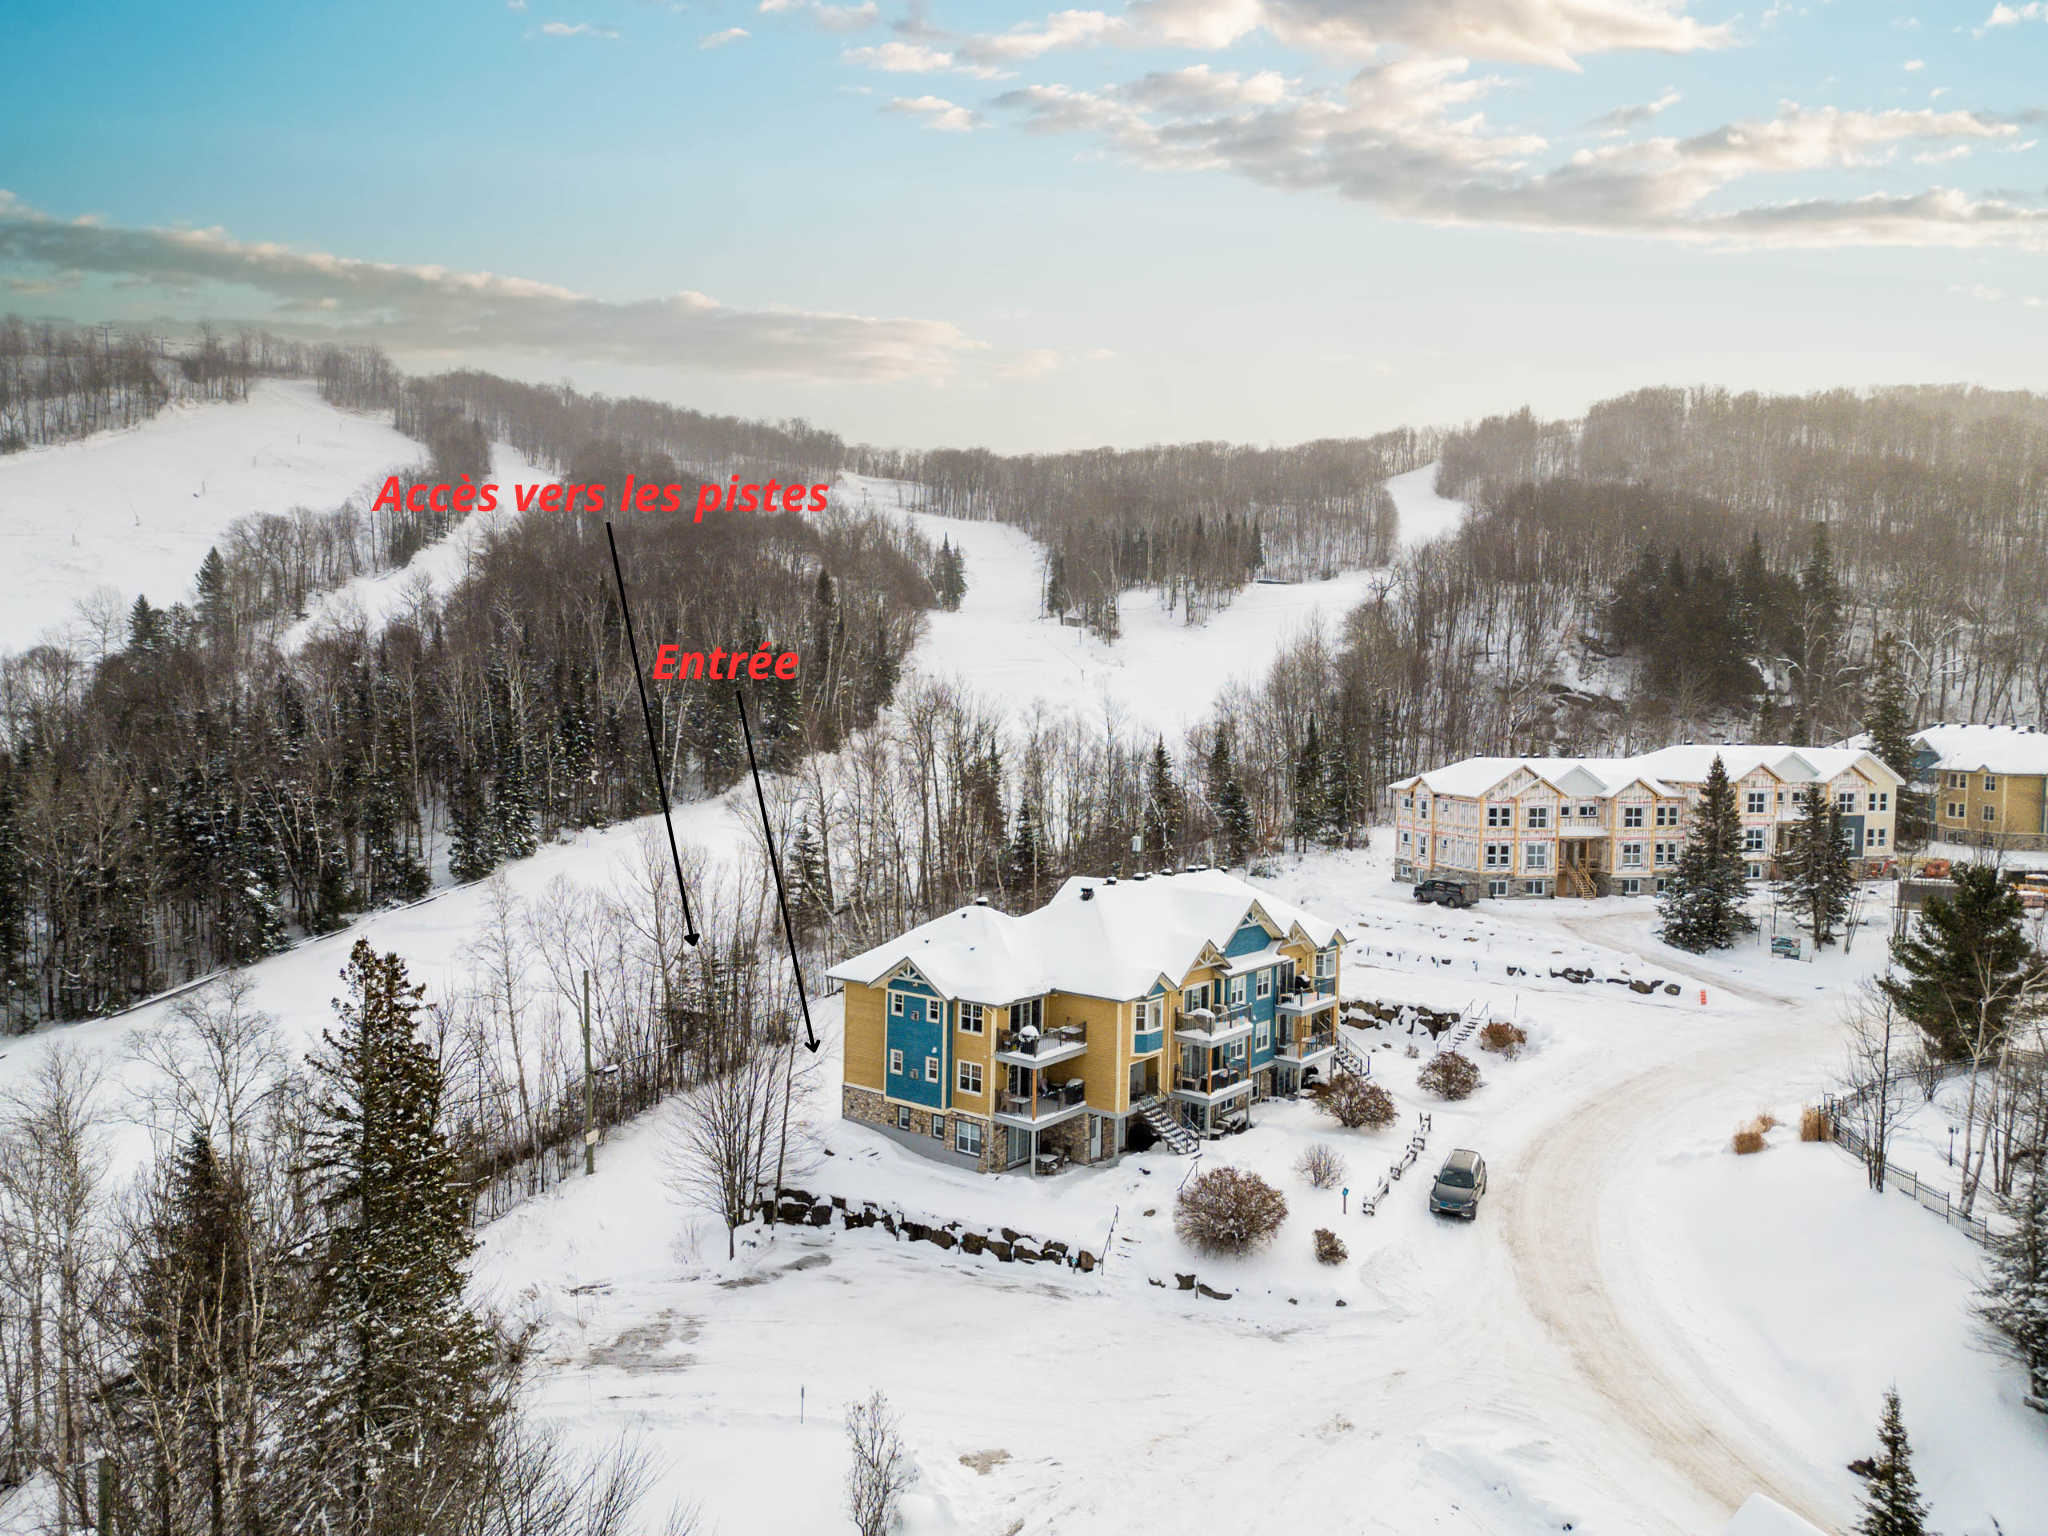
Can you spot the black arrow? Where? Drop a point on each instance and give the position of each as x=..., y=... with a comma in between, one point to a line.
x=775, y=865
x=653, y=739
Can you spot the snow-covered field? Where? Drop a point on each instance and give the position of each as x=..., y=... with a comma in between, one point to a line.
x=1640, y=1330
x=1425, y=516
x=137, y=510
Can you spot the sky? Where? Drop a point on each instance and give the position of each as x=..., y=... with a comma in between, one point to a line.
x=1027, y=228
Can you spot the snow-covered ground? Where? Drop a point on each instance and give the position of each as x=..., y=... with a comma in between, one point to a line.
x=1425, y=516
x=1640, y=1331
x=1161, y=675
x=137, y=510
x=433, y=572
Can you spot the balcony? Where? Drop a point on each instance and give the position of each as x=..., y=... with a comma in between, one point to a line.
x=1304, y=1000
x=1210, y=1087
x=1053, y=1103
x=1041, y=1048
x=1207, y=1026
x=1307, y=1046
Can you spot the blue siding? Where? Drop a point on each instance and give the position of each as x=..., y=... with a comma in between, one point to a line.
x=1249, y=939
x=1853, y=825
x=1144, y=1041
x=1262, y=1013
x=919, y=1033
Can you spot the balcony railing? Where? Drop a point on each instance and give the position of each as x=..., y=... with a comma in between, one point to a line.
x=1049, y=1042
x=1053, y=1099
x=1303, y=1046
x=1210, y=1082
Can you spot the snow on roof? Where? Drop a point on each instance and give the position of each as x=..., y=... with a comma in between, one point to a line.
x=1761, y=1515
x=1663, y=772
x=1987, y=748
x=1116, y=941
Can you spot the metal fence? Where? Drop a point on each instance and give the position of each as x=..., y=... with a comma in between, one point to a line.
x=1904, y=1180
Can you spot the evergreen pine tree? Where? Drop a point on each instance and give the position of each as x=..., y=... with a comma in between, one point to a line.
x=810, y=882
x=1024, y=859
x=14, y=906
x=949, y=575
x=1057, y=598
x=1165, y=806
x=1344, y=804
x=145, y=626
x=1891, y=1493
x=1308, y=789
x=2014, y=1299
x=1888, y=721
x=1818, y=877
x=473, y=850
x=1234, y=810
x=1963, y=964
x=399, y=1366
x=216, y=611
x=1701, y=908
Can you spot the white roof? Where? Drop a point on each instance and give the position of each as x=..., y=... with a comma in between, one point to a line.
x=1116, y=942
x=1663, y=772
x=1986, y=748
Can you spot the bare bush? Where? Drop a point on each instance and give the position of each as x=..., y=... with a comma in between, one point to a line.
x=1321, y=1166
x=1354, y=1103
x=1228, y=1210
x=1504, y=1038
x=1330, y=1247
x=1813, y=1124
x=881, y=1467
x=1450, y=1076
x=1750, y=1137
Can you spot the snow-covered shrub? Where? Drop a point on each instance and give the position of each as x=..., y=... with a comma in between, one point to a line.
x=1330, y=1247
x=1450, y=1076
x=1508, y=1039
x=1813, y=1123
x=1228, y=1210
x=1321, y=1166
x=1750, y=1137
x=1353, y=1102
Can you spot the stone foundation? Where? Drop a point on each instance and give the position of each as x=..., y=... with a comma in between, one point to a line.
x=864, y=1106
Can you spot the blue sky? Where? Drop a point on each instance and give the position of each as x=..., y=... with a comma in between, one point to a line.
x=1036, y=228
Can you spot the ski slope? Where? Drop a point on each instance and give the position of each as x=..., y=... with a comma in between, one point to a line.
x=136, y=510
x=1425, y=516
x=1160, y=677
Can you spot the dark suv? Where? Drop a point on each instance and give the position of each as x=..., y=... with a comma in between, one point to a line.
x=1446, y=893
x=1459, y=1184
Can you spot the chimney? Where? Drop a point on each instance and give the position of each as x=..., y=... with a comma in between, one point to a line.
x=1087, y=893
x=981, y=901
x=1110, y=881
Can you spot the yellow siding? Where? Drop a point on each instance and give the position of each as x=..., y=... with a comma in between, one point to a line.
x=1103, y=1068
x=981, y=1048
x=867, y=1034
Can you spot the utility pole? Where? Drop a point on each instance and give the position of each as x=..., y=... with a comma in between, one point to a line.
x=589, y=1130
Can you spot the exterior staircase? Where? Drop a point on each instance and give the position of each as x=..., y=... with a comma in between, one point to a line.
x=1350, y=1060
x=1158, y=1113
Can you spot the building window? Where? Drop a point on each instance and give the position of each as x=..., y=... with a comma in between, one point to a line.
x=1407, y=802
x=1422, y=807
x=1845, y=802
x=1667, y=815
x=938, y=1127
x=1536, y=887
x=902, y=1117
x=1499, y=855
x=1496, y=887
x=1404, y=839
x=1263, y=984
x=1539, y=818
x=1326, y=963
x=1263, y=1037
x=1589, y=813
x=1631, y=887
x=1752, y=839
x=970, y=1077
x=1662, y=885
x=1876, y=837
x=1030, y=1012
x=895, y=1063
x=1631, y=857
x=1631, y=815
x=896, y=1004
x=1756, y=801
x=1755, y=872
x=1990, y=781
x=1667, y=853
x=967, y=1137
x=1880, y=800
x=970, y=1019
x=931, y=1069
x=1953, y=810
x=1959, y=781
x=1536, y=856
x=1500, y=815
x=1991, y=813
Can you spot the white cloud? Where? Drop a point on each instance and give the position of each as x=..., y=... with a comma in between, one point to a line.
x=1914, y=66
x=515, y=5
x=938, y=113
x=1555, y=33
x=435, y=309
x=721, y=39
x=1032, y=364
x=1621, y=119
x=833, y=18
x=2012, y=16
x=900, y=58
x=1411, y=138
x=576, y=29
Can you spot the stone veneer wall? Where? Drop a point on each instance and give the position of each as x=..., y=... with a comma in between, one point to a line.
x=866, y=1107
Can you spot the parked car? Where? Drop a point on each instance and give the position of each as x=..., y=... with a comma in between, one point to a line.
x=1446, y=893
x=1459, y=1184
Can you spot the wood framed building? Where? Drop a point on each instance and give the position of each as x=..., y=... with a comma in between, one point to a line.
x=1004, y=1041
x=1533, y=826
